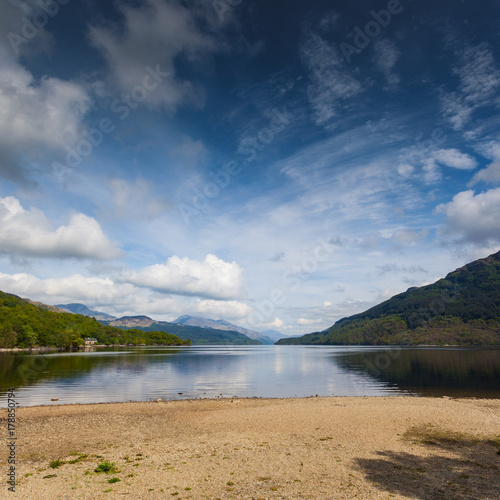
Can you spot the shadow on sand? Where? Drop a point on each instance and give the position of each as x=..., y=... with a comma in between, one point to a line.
x=453, y=466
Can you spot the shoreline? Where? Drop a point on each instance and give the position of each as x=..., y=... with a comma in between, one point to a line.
x=311, y=447
x=258, y=398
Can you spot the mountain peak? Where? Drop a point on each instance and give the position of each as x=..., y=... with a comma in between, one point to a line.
x=77, y=308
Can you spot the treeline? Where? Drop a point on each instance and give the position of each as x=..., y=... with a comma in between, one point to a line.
x=25, y=325
x=393, y=330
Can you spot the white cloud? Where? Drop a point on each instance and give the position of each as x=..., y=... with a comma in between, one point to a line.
x=490, y=149
x=157, y=33
x=29, y=233
x=473, y=218
x=331, y=83
x=230, y=309
x=386, y=57
x=479, y=80
x=69, y=289
x=35, y=116
x=455, y=159
x=309, y=322
x=213, y=278
x=427, y=157
x=116, y=298
x=491, y=175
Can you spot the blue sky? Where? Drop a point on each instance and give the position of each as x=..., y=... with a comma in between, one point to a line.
x=277, y=164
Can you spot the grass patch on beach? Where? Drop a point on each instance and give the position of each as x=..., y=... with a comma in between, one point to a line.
x=433, y=436
x=55, y=464
x=106, y=467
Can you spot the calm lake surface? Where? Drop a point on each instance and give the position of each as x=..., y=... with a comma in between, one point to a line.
x=141, y=374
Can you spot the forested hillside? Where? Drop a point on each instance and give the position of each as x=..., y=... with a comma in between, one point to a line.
x=461, y=309
x=23, y=324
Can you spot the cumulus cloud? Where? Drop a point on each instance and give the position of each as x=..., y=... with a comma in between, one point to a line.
x=490, y=175
x=29, y=233
x=35, y=116
x=158, y=32
x=230, y=309
x=72, y=288
x=479, y=81
x=213, y=278
x=473, y=218
x=116, y=298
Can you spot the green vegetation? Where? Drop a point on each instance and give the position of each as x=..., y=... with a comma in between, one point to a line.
x=106, y=467
x=461, y=309
x=25, y=325
x=55, y=464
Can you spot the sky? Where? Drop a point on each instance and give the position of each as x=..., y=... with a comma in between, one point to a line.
x=278, y=164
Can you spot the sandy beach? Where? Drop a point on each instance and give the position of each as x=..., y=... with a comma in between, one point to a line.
x=325, y=448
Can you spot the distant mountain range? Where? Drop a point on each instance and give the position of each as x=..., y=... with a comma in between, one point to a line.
x=222, y=325
x=195, y=327
x=461, y=309
x=197, y=334
x=274, y=335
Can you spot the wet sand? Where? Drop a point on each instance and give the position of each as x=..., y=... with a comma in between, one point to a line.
x=324, y=448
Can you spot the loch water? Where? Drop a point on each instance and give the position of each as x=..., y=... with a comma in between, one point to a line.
x=148, y=373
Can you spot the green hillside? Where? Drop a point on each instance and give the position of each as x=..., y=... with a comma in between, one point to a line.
x=23, y=324
x=461, y=309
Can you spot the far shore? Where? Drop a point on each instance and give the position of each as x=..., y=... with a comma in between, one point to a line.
x=324, y=448
x=82, y=348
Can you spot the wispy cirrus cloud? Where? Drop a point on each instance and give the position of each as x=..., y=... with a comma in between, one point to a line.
x=479, y=81
x=331, y=82
x=386, y=56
